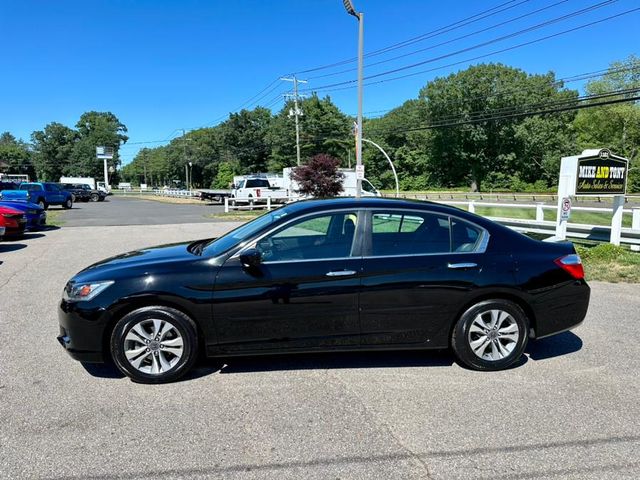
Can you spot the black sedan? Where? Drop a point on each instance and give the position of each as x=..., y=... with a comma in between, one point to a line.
x=319, y=275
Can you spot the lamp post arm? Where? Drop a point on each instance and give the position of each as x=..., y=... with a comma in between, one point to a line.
x=395, y=175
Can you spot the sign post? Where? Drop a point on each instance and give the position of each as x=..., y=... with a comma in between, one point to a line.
x=105, y=153
x=595, y=172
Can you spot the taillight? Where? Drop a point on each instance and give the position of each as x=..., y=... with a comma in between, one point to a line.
x=572, y=265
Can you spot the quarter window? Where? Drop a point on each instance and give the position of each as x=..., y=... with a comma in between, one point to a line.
x=323, y=236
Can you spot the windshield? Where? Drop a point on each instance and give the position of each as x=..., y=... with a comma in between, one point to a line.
x=235, y=237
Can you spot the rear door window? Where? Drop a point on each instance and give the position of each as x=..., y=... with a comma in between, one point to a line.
x=403, y=233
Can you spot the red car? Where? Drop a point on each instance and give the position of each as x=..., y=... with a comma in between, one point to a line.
x=13, y=221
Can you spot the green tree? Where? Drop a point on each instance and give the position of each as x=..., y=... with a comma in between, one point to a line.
x=96, y=129
x=52, y=150
x=15, y=156
x=616, y=126
x=472, y=152
x=323, y=129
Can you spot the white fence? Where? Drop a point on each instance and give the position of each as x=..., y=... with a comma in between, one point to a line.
x=599, y=233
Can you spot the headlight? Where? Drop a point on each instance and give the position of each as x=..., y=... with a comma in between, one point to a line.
x=82, y=292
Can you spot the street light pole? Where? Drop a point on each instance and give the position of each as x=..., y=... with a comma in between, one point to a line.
x=393, y=169
x=348, y=5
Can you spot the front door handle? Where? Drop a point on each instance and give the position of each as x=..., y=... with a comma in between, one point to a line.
x=461, y=266
x=341, y=273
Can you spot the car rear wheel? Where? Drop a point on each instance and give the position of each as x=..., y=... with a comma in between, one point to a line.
x=154, y=344
x=43, y=204
x=490, y=335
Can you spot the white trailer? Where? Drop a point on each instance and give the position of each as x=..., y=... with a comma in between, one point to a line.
x=349, y=184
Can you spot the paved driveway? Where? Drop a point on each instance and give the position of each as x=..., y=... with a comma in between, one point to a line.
x=571, y=410
x=123, y=210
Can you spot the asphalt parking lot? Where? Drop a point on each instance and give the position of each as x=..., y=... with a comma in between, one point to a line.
x=570, y=410
x=127, y=210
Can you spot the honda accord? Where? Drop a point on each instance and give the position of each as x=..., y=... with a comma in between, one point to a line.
x=327, y=275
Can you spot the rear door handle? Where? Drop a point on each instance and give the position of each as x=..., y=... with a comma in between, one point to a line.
x=460, y=266
x=341, y=273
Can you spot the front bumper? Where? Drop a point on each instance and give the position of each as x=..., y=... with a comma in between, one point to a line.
x=82, y=331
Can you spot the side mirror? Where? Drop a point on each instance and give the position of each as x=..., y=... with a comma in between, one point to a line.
x=250, y=258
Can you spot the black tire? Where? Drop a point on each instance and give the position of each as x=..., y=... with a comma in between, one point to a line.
x=68, y=203
x=182, y=324
x=43, y=204
x=95, y=197
x=462, y=338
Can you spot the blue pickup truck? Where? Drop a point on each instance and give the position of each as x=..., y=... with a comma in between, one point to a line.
x=41, y=193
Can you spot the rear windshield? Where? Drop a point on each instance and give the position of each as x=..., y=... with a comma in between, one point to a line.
x=257, y=182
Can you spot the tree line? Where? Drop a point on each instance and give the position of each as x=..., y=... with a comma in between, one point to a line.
x=490, y=126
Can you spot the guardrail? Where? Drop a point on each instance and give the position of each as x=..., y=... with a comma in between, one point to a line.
x=256, y=203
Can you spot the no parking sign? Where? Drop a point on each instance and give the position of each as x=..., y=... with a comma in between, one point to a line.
x=565, y=211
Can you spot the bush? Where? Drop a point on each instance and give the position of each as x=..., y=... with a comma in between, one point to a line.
x=602, y=252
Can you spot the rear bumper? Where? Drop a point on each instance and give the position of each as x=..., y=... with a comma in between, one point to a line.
x=561, y=309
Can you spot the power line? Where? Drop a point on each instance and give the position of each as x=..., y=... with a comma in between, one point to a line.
x=460, y=23
x=326, y=88
x=492, y=41
x=500, y=24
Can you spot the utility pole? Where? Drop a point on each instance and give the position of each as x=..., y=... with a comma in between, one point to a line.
x=144, y=155
x=184, y=153
x=296, y=112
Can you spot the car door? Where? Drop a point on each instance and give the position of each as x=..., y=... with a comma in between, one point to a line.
x=419, y=268
x=303, y=294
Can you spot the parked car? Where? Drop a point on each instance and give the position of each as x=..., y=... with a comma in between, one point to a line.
x=78, y=194
x=318, y=275
x=42, y=193
x=34, y=214
x=13, y=221
x=84, y=193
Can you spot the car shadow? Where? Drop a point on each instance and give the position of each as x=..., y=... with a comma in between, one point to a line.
x=555, y=346
x=306, y=361
x=102, y=370
x=10, y=247
x=336, y=360
x=47, y=228
x=558, y=345
x=29, y=236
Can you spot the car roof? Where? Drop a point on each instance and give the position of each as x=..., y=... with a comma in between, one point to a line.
x=309, y=206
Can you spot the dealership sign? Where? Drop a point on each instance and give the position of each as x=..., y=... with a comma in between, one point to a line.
x=602, y=173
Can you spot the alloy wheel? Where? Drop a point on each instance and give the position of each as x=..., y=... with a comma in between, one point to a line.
x=153, y=346
x=493, y=335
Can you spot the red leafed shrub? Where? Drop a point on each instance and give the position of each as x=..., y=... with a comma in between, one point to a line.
x=320, y=177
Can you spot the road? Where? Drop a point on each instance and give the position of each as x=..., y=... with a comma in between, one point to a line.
x=570, y=410
x=122, y=210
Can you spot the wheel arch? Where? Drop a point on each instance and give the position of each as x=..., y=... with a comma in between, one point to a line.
x=128, y=305
x=496, y=295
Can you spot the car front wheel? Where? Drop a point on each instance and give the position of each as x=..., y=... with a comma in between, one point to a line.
x=68, y=203
x=95, y=197
x=154, y=344
x=491, y=335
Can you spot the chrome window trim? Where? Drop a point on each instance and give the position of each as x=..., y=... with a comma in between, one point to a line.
x=253, y=243
x=480, y=248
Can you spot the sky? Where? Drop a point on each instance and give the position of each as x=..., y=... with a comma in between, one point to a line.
x=165, y=65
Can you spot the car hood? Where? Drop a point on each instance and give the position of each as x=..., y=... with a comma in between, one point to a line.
x=138, y=259
x=22, y=206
